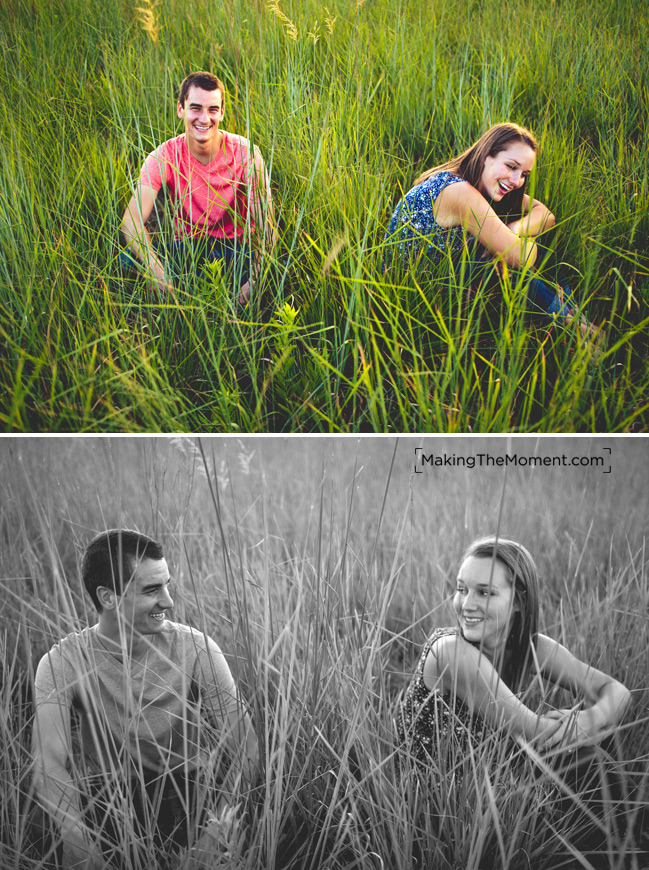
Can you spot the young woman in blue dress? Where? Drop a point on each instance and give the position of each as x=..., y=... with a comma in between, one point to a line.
x=480, y=197
x=479, y=668
x=469, y=697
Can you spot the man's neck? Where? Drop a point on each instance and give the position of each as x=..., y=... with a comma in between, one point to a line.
x=124, y=642
x=206, y=154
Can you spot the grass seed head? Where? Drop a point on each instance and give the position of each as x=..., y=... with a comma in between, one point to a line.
x=148, y=18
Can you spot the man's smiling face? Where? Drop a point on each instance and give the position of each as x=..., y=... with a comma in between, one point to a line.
x=146, y=601
x=202, y=114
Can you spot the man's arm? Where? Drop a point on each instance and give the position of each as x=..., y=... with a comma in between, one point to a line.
x=262, y=213
x=261, y=202
x=138, y=239
x=215, y=833
x=228, y=718
x=56, y=790
x=243, y=749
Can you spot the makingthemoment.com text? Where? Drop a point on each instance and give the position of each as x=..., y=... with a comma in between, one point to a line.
x=452, y=460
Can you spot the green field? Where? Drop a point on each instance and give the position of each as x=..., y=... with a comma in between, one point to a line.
x=320, y=566
x=348, y=102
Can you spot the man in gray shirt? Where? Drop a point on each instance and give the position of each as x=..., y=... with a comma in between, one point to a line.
x=129, y=711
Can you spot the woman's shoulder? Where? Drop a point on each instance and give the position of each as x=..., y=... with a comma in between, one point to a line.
x=421, y=197
x=446, y=631
x=440, y=639
x=443, y=653
x=437, y=635
x=447, y=642
x=447, y=176
x=437, y=182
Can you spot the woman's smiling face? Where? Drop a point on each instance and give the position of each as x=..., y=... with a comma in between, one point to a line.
x=484, y=602
x=506, y=171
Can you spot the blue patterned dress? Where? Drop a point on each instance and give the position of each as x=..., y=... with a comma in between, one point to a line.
x=416, y=236
x=413, y=230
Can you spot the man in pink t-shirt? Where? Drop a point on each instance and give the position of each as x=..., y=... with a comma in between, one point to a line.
x=217, y=183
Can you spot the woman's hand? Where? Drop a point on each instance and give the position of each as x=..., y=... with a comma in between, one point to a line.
x=551, y=730
x=576, y=727
x=535, y=221
x=518, y=227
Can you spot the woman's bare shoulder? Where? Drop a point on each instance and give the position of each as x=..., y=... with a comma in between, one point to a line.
x=454, y=200
x=446, y=650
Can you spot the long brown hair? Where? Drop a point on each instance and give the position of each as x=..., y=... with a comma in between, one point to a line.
x=524, y=577
x=470, y=164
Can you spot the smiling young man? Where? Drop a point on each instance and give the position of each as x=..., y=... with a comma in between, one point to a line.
x=128, y=712
x=219, y=189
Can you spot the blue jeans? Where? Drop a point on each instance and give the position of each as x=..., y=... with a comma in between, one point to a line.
x=541, y=298
x=193, y=254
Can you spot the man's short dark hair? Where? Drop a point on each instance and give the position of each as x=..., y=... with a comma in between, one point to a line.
x=205, y=80
x=111, y=559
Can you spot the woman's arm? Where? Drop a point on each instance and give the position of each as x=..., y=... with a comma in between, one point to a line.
x=536, y=218
x=607, y=698
x=457, y=666
x=460, y=204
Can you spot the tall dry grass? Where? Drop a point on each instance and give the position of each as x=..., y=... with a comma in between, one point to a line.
x=320, y=566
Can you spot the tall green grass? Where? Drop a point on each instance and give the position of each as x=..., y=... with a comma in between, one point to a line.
x=320, y=566
x=348, y=102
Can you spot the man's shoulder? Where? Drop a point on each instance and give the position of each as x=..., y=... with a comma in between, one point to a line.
x=70, y=650
x=176, y=142
x=174, y=147
x=178, y=629
x=234, y=139
x=189, y=638
x=239, y=146
x=172, y=153
x=75, y=640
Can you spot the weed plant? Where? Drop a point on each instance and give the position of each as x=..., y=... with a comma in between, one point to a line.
x=348, y=102
x=320, y=567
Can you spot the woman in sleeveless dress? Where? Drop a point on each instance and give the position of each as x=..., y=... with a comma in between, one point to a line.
x=478, y=199
x=468, y=700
